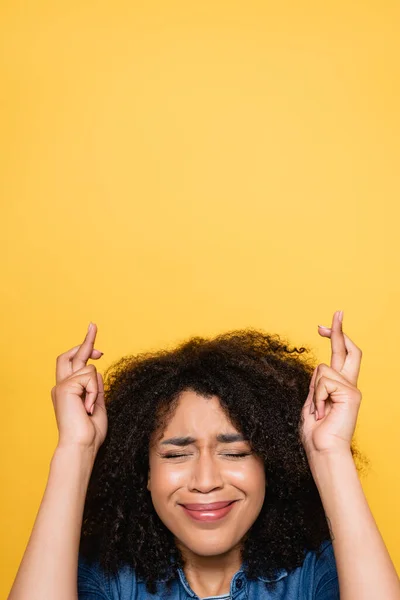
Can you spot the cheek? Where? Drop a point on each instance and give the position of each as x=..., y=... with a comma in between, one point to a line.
x=249, y=474
x=166, y=478
x=250, y=479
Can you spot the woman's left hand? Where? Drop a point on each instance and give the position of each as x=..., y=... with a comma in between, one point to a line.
x=330, y=411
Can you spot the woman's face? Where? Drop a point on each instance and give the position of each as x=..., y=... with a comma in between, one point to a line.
x=202, y=459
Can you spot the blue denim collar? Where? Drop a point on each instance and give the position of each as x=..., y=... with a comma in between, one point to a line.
x=279, y=574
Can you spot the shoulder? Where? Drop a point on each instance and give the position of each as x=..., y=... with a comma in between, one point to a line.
x=94, y=583
x=320, y=572
x=315, y=579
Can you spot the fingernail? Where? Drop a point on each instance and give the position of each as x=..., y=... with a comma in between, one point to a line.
x=90, y=326
x=341, y=316
x=316, y=415
x=323, y=327
x=91, y=410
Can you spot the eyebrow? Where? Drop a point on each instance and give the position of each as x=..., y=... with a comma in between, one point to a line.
x=225, y=438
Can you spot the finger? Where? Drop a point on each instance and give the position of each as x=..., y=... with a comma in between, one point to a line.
x=338, y=346
x=82, y=356
x=326, y=373
x=323, y=371
x=99, y=403
x=311, y=392
x=352, y=365
x=336, y=391
x=82, y=384
x=64, y=362
x=88, y=380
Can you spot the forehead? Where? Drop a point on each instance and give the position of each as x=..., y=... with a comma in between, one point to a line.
x=199, y=417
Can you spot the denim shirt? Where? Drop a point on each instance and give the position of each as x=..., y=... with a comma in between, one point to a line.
x=316, y=579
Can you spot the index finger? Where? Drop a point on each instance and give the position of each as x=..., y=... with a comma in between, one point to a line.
x=338, y=345
x=351, y=367
x=82, y=356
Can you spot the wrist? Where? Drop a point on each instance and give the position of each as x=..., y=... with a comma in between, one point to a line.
x=79, y=457
x=331, y=469
x=331, y=455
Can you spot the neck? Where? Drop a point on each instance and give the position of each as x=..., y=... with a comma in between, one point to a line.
x=211, y=575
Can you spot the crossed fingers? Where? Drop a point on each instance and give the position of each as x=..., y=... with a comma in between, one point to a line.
x=346, y=356
x=76, y=358
x=344, y=369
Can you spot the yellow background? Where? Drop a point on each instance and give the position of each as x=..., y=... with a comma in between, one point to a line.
x=171, y=168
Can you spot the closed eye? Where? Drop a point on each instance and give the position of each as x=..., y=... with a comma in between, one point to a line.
x=241, y=455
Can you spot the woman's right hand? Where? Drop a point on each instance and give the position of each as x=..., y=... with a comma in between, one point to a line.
x=79, y=388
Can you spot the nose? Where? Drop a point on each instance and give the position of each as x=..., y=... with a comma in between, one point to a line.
x=205, y=474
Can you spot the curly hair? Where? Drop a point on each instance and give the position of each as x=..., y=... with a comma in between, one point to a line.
x=262, y=385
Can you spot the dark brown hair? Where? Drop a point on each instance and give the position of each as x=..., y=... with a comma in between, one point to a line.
x=262, y=385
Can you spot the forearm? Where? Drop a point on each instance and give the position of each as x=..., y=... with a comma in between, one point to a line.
x=365, y=570
x=48, y=568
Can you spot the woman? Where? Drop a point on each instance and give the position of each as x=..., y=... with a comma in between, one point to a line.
x=221, y=469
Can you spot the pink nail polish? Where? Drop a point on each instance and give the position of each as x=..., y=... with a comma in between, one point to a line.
x=91, y=410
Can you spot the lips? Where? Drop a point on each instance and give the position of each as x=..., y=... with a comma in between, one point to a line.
x=209, y=514
x=206, y=507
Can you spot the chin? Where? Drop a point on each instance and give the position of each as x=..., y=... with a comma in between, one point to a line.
x=207, y=550
x=208, y=547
